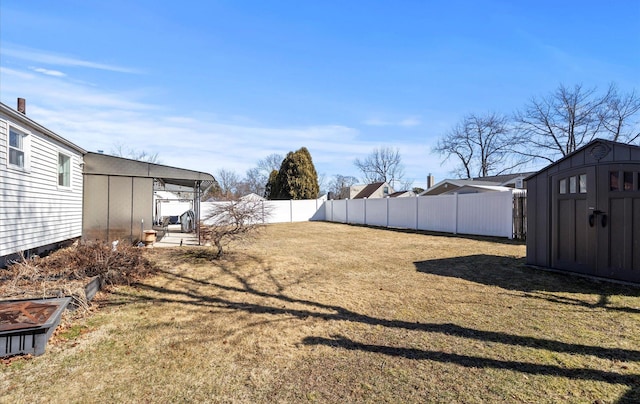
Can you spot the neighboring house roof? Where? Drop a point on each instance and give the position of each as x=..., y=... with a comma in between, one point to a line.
x=449, y=185
x=474, y=189
x=19, y=116
x=252, y=197
x=369, y=190
x=401, y=194
x=504, y=178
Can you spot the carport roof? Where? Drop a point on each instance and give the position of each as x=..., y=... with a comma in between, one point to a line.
x=103, y=164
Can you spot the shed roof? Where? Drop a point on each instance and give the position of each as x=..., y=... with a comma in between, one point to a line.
x=598, y=150
x=103, y=164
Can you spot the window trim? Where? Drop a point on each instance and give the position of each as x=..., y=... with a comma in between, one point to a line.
x=69, y=161
x=26, y=147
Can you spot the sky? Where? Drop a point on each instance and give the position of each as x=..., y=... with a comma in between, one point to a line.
x=211, y=85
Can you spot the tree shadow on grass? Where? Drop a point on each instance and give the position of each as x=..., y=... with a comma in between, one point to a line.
x=328, y=312
x=511, y=273
x=219, y=297
x=633, y=381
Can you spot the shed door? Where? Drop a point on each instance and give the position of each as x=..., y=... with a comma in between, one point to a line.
x=573, y=238
x=619, y=224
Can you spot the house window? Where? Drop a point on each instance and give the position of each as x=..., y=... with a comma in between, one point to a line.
x=385, y=190
x=16, y=148
x=64, y=170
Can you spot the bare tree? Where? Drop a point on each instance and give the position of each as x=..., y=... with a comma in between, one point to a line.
x=554, y=126
x=120, y=150
x=270, y=163
x=382, y=165
x=255, y=181
x=233, y=221
x=256, y=178
x=483, y=146
x=229, y=183
x=339, y=185
x=618, y=114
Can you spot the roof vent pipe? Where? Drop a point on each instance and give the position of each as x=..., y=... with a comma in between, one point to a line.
x=22, y=106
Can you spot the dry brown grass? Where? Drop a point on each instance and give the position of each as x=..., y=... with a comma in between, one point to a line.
x=67, y=271
x=325, y=312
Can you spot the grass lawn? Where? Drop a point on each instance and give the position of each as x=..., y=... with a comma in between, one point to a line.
x=322, y=312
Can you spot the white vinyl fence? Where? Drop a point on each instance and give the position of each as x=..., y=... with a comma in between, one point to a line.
x=281, y=211
x=485, y=214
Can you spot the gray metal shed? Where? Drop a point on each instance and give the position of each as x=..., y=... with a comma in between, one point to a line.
x=584, y=212
x=118, y=195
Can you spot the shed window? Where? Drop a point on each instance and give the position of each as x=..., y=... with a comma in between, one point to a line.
x=628, y=181
x=563, y=186
x=573, y=185
x=582, y=183
x=64, y=170
x=16, y=148
x=613, y=181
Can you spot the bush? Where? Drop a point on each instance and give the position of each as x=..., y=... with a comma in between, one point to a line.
x=61, y=272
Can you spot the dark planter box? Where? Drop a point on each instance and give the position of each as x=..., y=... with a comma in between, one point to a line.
x=27, y=325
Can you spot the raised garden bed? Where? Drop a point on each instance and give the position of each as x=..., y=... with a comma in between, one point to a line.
x=27, y=325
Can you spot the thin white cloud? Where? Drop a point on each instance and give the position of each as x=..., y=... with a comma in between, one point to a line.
x=49, y=58
x=406, y=122
x=410, y=122
x=48, y=72
x=98, y=120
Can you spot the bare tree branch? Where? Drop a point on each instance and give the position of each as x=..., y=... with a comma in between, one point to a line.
x=483, y=145
x=233, y=221
x=382, y=165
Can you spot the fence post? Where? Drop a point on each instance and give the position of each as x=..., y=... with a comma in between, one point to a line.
x=331, y=210
x=346, y=210
x=290, y=210
x=365, y=211
x=455, y=230
x=417, y=210
x=387, y=197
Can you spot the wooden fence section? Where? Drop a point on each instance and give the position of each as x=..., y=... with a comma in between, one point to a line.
x=499, y=214
x=520, y=217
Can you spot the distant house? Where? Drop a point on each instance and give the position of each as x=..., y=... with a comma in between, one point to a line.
x=402, y=194
x=374, y=190
x=41, y=186
x=476, y=185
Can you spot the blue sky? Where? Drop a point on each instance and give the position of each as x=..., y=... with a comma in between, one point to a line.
x=215, y=85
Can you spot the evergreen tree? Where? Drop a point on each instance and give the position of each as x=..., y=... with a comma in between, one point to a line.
x=297, y=177
x=271, y=183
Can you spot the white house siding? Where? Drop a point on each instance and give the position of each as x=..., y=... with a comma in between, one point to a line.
x=34, y=211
